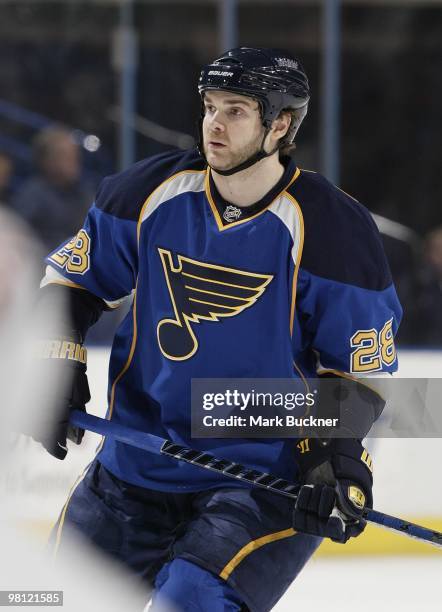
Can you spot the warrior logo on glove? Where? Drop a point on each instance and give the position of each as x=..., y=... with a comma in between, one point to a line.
x=356, y=496
x=337, y=481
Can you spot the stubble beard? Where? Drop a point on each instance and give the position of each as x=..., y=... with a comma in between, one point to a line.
x=235, y=159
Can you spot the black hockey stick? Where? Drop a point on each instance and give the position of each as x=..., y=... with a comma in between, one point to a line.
x=230, y=469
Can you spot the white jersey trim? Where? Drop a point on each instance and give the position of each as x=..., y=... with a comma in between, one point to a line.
x=283, y=208
x=183, y=182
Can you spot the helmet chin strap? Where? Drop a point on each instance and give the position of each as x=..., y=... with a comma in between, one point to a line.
x=253, y=159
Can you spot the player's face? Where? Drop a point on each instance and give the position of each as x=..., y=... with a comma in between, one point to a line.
x=232, y=129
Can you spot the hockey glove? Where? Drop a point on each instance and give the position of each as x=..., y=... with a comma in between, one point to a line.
x=337, y=485
x=62, y=359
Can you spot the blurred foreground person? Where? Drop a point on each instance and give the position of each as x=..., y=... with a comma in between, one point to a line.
x=20, y=323
x=55, y=200
x=241, y=265
x=24, y=565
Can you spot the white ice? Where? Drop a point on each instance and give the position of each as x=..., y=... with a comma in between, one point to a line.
x=373, y=584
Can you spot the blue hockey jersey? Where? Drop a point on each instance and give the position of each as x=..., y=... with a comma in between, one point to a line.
x=296, y=285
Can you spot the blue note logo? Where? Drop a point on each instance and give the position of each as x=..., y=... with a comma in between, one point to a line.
x=200, y=291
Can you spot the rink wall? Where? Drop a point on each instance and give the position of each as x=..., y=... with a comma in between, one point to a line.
x=407, y=472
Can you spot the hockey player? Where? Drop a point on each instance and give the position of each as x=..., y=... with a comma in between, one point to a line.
x=240, y=265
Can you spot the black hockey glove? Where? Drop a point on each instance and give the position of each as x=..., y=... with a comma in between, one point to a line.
x=337, y=485
x=63, y=359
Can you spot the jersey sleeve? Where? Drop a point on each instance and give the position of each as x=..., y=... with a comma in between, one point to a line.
x=351, y=329
x=347, y=304
x=347, y=308
x=102, y=256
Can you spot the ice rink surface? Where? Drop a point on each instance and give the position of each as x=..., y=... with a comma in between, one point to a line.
x=373, y=584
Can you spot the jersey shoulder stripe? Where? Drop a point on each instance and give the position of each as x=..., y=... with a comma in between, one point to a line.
x=177, y=184
x=286, y=208
x=342, y=241
x=124, y=194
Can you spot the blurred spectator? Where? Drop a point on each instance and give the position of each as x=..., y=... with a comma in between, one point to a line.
x=54, y=201
x=6, y=171
x=428, y=311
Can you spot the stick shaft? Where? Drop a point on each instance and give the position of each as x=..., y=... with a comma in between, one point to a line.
x=230, y=469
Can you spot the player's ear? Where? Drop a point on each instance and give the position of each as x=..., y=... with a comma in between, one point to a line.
x=281, y=124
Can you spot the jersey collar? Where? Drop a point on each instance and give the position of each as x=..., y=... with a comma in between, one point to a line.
x=228, y=215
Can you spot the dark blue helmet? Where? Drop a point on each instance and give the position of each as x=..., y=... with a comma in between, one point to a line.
x=273, y=77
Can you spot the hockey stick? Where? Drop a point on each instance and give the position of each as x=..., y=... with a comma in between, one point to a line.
x=230, y=469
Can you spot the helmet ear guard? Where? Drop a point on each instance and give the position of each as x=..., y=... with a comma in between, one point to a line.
x=298, y=115
x=272, y=77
